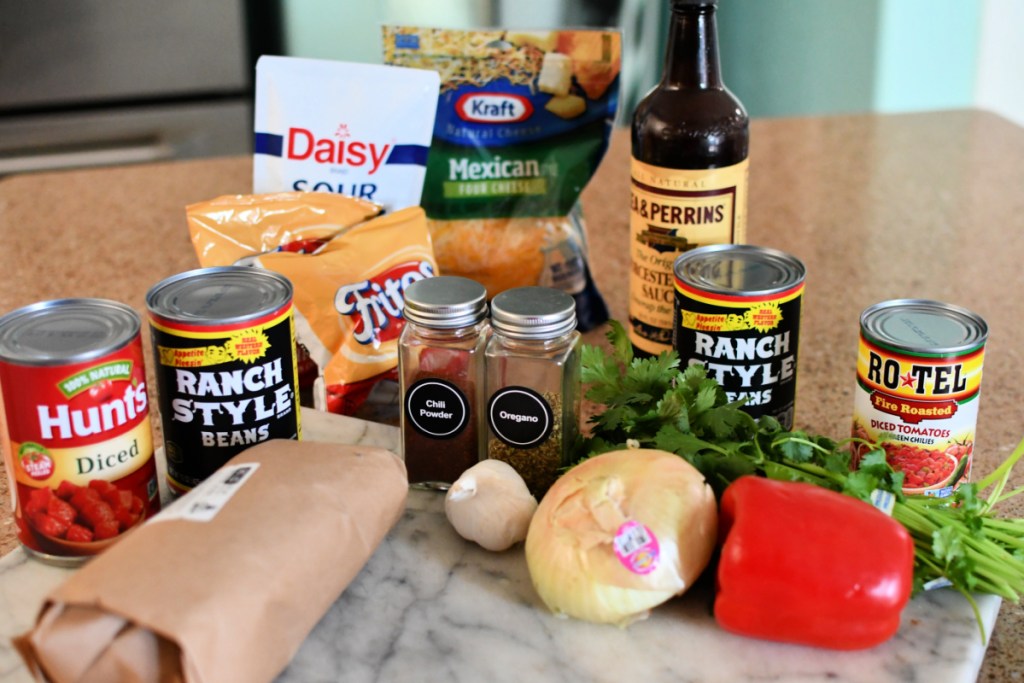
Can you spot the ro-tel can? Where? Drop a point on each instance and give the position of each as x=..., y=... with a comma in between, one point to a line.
x=918, y=383
x=224, y=347
x=737, y=311
x=75, y=427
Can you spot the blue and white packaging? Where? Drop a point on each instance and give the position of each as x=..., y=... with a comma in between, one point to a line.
x=362, y=130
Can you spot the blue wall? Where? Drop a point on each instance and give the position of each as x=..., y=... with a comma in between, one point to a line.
x=927, y=54
x=785, y=57
x=780, y=57
x=796, y=57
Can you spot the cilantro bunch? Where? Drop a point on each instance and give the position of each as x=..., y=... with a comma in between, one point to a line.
x=653, y=403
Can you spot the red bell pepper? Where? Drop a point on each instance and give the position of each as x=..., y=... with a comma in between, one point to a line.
x=802, y=564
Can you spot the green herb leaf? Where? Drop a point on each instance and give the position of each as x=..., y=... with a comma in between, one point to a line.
x=619, y=339
x=670, y=438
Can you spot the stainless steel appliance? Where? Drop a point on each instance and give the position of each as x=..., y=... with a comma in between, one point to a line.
x=89, y=82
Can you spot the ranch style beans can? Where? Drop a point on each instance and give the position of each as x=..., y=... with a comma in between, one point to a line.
x=224, y=348
x=918, y=386
x=74, y=426
x=737, y=312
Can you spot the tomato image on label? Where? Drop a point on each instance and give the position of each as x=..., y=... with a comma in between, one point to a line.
x=101, y=392
x=80, y=518
x=35, y=461
x=921, y=467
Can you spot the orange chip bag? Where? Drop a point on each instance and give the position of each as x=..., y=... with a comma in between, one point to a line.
x=349, y=301
x=231, y=228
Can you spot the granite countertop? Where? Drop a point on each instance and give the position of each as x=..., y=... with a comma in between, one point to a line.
x=430, y=606
x=877, y=207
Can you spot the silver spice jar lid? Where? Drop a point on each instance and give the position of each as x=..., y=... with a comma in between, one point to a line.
x=533, y=313
x=445, y=302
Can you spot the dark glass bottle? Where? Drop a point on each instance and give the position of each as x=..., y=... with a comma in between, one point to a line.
x=690, y=140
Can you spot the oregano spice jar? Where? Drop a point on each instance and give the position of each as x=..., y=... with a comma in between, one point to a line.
x=533, y=383
x=441, y=366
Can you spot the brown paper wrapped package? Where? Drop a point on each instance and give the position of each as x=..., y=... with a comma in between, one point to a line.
x=228, y=600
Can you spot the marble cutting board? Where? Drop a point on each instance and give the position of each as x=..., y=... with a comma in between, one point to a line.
x=432, y=607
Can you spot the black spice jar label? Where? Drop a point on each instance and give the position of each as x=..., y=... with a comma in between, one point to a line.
x=436, y=409
x=520, y=417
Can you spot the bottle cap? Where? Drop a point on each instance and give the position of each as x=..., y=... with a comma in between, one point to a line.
x=533, y=313
x=693, y=3
x=445, y=302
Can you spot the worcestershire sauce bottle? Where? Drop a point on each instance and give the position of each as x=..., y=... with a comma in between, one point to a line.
x=689, y=170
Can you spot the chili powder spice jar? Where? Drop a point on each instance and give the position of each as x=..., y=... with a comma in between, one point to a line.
x=533, y=383
x=441, y=363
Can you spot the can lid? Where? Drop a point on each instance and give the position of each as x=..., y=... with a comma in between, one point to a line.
x=923, y=326
x=739, y=269
x=533, y=313
x=66, y=331
x=215, y=296
x=445, y=302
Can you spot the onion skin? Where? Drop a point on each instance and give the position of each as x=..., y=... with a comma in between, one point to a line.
x=570, y=543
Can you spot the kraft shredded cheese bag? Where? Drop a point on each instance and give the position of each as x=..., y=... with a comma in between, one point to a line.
x=349, y=299
x=522, y=123
x=361, y=130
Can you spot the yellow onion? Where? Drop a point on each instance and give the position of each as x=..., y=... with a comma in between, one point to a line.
x=585, y=546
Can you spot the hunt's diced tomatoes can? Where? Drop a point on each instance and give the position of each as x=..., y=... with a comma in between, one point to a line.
x=918, y=384
x=224, y=349
x=737, y=312
x=76, y=434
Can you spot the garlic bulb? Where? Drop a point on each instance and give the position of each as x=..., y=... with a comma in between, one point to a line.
x=490, y=505
x=621, y=533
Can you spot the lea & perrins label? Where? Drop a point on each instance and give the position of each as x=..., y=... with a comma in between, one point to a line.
x=737, y=312
x=671, y=212
x=74, y=426
x=224, y=346
x=919, y=369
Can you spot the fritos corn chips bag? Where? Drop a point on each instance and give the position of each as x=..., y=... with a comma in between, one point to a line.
x=349, y=301
x=522, y=123
x=235, y=229
x=231, y=228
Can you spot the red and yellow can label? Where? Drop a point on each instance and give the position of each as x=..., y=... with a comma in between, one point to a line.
x=79, y=450
x=923, y=409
